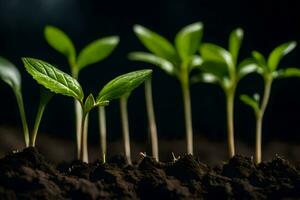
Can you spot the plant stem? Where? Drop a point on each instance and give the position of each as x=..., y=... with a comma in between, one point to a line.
x=187, y=112
x=83, y=156
x=102, y=127
x=125, y=127
x=259, y=119
x=37, y=122
x=23, y=117
x=230, y=121
x=151, y=118
x=78, y=116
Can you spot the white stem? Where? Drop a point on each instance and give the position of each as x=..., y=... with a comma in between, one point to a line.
x=151, y=118
x=78, y=115
x=230, y=123
x=83, y=156
x=102, y=128
x=125, y=126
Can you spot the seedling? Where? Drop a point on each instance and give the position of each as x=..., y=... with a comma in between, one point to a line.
x=221, y=67
x=61, y=83
x=268, y=70
x=91, y=54
x=11, y=75
x=177, y=61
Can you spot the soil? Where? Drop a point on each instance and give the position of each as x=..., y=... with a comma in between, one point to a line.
x=27, y=175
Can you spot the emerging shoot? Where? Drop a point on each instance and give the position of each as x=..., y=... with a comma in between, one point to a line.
x=176, y=60
x=61, y=83
x=268, y=70
x=91, y=54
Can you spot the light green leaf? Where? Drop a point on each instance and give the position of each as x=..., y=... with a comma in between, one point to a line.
x=188, y=40
x=213, y=53
x=288, y=72
x=52, y=78
x=247, y=66
x=89, y=103
x=123, y=85
x=235, y=41
x=10, y=74
x=156, y=43
x=204, y=78
x=164, y=64
x=58, y=40
x=251, y=101
x=278, y=53
x=217, y=69
x=97, y=51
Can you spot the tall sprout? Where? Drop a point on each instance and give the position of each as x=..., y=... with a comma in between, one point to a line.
x=268, y=69
x=89, y=55
x=176, y=60
x=59, y=82
x=221, y=66
x=11, y=75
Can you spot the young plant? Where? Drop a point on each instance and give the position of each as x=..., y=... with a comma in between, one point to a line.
x=61, y=83
x=11, y=75
x=177, y=61
x=221, y=67
x=269, y=72
x=91, y=54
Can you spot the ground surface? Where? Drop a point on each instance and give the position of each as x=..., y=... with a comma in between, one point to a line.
x=27, y=175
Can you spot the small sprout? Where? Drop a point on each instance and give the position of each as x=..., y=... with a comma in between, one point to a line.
x=174, y=158
x=11, y=75
x=268, y=70
x=176, y=60
x=220, y=66
x=91, y=54
x=143, y=154
x=61, y=83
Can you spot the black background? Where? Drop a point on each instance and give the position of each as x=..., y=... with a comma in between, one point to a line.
x=266, y=24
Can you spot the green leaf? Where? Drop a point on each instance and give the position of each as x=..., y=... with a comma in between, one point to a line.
x=89, y=103
x=97, y=51
x=53, y=79
x=213, y=53
x=253, y=102
x=164, y=64
x=247, y=66
x=123, y=85
x=286, y=73
x=156, y=43
x=10, y=74
x=235, y=41
x=278, y=53
x=188, y=40
x=217, y=69
x=58, y=40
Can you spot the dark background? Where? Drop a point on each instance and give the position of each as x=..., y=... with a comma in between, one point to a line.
x=266, y=24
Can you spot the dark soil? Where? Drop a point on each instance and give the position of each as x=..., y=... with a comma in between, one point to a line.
x=27, y=175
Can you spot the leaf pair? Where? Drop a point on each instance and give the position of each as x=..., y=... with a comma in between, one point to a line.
x=221, y=65
x=59, y=82
x=92, y=53
x=268, y=67
x=171, y=59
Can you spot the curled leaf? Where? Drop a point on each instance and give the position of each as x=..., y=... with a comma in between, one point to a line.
x=235, y=41
x=252, y=102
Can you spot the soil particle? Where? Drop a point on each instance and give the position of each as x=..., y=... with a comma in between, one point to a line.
x=27, y=175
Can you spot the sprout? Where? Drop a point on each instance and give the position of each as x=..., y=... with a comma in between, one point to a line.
x=268, y=71
x=221, y=67
x=11, y=75
x=62, y=83
x=91, y=54
x=176, y=61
